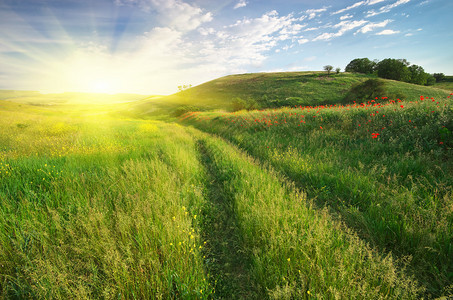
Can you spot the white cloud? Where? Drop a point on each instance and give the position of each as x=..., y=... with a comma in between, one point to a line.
x=387, y=32
x=324, y=36
x=206, y=31
x=346, y=17
x=371, y=26
x=311, y=29
x=176, y=14
x=302, y=41
x=312, y=13
x=247, y=41
x=409, y=34
x=349, y=7
x=357, y=4
x=386, y=8
x=241, y=3
x=344, y=27
x=372, y=2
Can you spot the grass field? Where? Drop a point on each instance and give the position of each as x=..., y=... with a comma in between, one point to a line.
x=383, y=167
x=346, y=201
x=446, y=84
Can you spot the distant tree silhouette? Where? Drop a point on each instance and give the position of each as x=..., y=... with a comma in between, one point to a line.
x=184, y=87
x=439, y=76
x=328, y=68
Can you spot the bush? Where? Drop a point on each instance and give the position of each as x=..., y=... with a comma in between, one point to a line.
x=241, y=104
x=238, y=104
x=292, y=101
x=367, y=90
x=184, y=109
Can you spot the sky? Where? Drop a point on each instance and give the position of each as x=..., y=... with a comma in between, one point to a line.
x=153, y=46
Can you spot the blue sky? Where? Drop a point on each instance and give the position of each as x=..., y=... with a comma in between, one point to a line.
x=152, y=46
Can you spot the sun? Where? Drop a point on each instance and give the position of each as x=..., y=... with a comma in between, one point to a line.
x=101, y=86
x=89, y=73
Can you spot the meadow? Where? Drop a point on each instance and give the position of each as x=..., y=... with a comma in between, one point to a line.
x=336, y=201
x=382, y=167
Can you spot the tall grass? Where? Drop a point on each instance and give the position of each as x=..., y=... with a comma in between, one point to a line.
x=93, y=206
x=289, y=249
x=384, y=168
x=99, y=209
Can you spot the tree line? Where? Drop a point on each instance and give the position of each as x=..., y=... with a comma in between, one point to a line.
x=396, y=69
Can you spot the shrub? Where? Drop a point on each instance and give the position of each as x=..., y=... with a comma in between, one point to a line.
x=238, y=104
x=367, y=90
x=241, y=104
x=184, y=109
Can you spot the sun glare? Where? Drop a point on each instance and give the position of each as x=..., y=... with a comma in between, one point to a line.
x=93, y=72
x=102, y=86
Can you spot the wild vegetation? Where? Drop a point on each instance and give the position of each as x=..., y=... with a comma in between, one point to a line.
x=274, y=90
x=396, y=69
x=383, y=166
x=348, y=199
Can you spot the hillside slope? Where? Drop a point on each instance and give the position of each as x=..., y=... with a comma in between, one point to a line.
x=271, y=90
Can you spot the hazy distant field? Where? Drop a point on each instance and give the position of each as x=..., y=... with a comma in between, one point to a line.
x=334, y=201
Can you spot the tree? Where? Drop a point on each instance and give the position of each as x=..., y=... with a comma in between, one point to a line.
x=328, y=68
x=337, y=70
x=396, y=69
x=418, y=75
x=439, y=76
x=430, y=79
x=361, y=65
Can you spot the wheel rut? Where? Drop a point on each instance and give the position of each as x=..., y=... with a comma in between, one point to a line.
x=226, y=256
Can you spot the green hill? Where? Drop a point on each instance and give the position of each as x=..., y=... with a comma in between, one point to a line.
x=272, y=90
